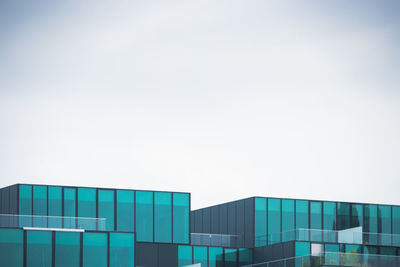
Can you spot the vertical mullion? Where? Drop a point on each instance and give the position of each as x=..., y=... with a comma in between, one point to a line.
x=53, y=250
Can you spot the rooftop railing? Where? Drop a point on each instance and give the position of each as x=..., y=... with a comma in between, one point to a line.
x=56, y=222
x=349, y=236
x=218, y=240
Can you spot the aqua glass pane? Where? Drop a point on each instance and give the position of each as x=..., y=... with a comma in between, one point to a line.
x=302, y=252
x=106, y=209
x=332, y=254
x=125, y=210
x=302, y=222
x=214, y=256
x=316, y=221
x=55, y=206
x=162, y=217
x=39, y=248
x=200, y=255
x=39, y=205
x=87, y=208
x=69, y=208
x=25, y=205
x=329, y=214
x=144, y=216
x=67, y=249
x=396, y=225
x=122, y=250
x=231, y=257
x=288, y=233
x=260, y=222
x=343, y=218
x=11, y=247
x=181, y=215
x=352, y=260
x=384, y=224
x=94, y=250
x=274, y=221
x=245, y=256
x=357, y=215
x=184, y=255
x=371, y=224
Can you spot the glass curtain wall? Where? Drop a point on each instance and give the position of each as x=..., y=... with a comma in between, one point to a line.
x=184, y=255
x=371, y=224
x=329, y=215
x=144, y=216
x=343, y=218
x=122, y=250
x=95, y=249
x=55, y=206
x=288, y=220
x=260, y=222
x=162, y=217
x=302, y=221
x=11, y=247
x=125, y=210
x=69, y=208
x=214, y=257
x=316, y=221
x=384, y=225
x=39, y=248
x=87, y=208
x=67, y=249
x=25, y=204
x=181, y=213
x=274, y=221
x=40, y=205
x=106, y=209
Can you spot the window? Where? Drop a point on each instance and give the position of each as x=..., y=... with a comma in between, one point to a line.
x=371, y=224
x=316, y=221
x=181, y=218
x=106, y=209
x=385, y=224
x=245, y=256
x=231, y=257
x=39, y=248
x=122, y=250
x=288, y=220
x=144, y=216
x=357, y=215
x=260, y=220
x=302, y=222
x=11, y=247
x=67, y=249
x=25, y=204
x=215, y=257
x=87, y=208
x=329, y=221
x=302, y=252
x=40, y=205
x=162, y=217
x=126, y=210
x=200, y=255
x=184, y=255
x=343, y=220
x=55, y=207
x=396, y=224
x=274, y=220
x=69, y=208
x=94, y=250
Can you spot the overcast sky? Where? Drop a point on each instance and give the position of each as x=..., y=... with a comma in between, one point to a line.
x=223, y=99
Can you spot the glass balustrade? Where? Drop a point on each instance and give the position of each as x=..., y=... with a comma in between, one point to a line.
x=216, y=240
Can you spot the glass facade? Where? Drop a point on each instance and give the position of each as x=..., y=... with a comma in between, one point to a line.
x=302, y=214
x=25, y=204
x=106, y=207
x=125, y=210
x=214, y=256
x=287, y=219
x=86, y=207
x=39, y=248
x=343, y=216
x=200, y=255
x=67, y=249
x=69, y=200
x=316, y=221
x=122, y=250
x=39, y=205
x=54, y=206
x=11, y=247
x=329, y=218
x=95, y=250
x=260, y=221
x=185, y=255
x=163, y=217
x=274, y=221
x=144, y=216
x=181, y=211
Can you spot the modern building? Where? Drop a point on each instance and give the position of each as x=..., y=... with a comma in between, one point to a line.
x=53, y=226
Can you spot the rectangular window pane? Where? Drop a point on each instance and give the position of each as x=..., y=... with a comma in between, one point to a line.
x=343, y=220
x=162, y=217
x=329, y=222
x=215, y=256
x=231, y=257
x=332, y=254
x=357, y=215
x=184, y=255
x=245, y=256
x=40, y=205
x=106, y=209
x=316, y=221
x=384, y=224
x=200, y=255
x=94, y=249
x=181, y=215
x=396, y=225
x=302, y=252
x=69, y=208
x=11, y=247
x=260, y=221
x=302, y=223
x=144, y=216
x=39, y=248
x=287, y=220
x=371, y=224
x=125, y=210
x=122, y=250
x=274, y=221
x=55, y=206
x=25, y=204
x=87, y=208
x=67, y=249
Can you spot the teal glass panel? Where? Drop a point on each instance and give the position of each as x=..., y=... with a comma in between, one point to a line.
x=288, y=233
x=354, y=259
x=302, y=221
x=245, y=256
x=67, y=249
x=122, y=250
x=371, y=224
x=357, y=215
x=11, y=247
x=25, y=204
x=316, y=221
x=231, y=257
x=274, y=221
x=144, y=216
x=39, y=248
x=260, y=222
x=55, y=206
x=181, y=218
x=344, y=219
x=329, y=214
x=87, y=208
x=200, y=255
x=370, y=257
x=385, y=224
x=396, y=225
x=94, y=250
x=125, y=211
x=69, y=208
x=331, y=254
x=106, y=208
x=214, y=256
x=302, y=252
x=163, y=217
x=184, y=255
x=40, y=205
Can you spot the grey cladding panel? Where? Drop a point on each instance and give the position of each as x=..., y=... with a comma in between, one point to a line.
x=146, y=255
x=167, y=255
x=223, y=219
x=232, y=218
x=198, y=221
x=206, y=220
x=215, y=220
x=249, y=222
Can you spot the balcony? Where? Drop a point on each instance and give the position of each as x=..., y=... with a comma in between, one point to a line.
x=217, y=240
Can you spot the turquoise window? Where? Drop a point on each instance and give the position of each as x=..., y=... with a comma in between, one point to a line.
x=274, y=221
x=106, y=209
x=316, y=221
x=40, y=205
x=245, y=256
x=162, y=217
x=200, y=255
x=125, y=210
x=67, y=249
x=371, y=224
x=25, y=204
x=144, y=216
x=184, y=255
x=332, y=254
x=344, y=219
x=357, y=215
x=39, y=248
x=94, y=249
x=288, y=220
x=214, y=257
x=352, y=260
x=260, y=222
x=302, y=222
x=329, y=214
x=55, y=206
x=231, y=257
x=302, y=252
x=11, y=247
x=87, y=208
x=69, y=207
x=396, y=224
x=181, y=218
x=122, y=250
x=385, y=223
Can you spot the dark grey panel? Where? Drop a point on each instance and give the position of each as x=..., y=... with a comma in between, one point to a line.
x=167, y=255
x=232, y=218
x=198, y=224
x=146, y=255
x=6, y=200
x=215, y=220
x=240, y=221
x=1, y=201
x=206, y=220
x=223, y=219
x=192, y=222
x=14, y=199
x=249, y=222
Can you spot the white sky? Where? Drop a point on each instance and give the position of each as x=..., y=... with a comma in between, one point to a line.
x=223, y=99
